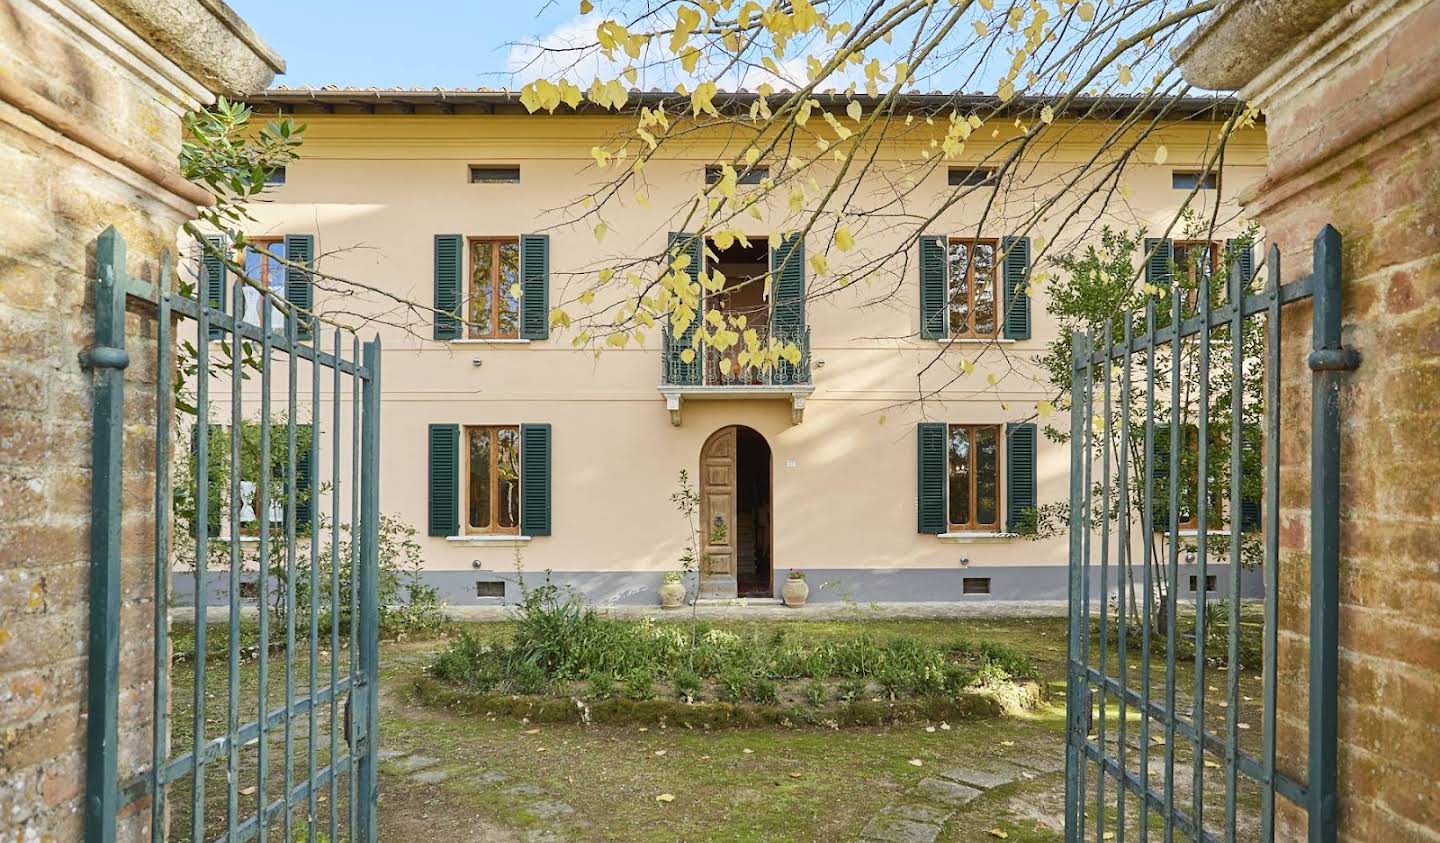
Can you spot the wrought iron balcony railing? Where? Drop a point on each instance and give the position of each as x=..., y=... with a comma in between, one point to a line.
x=711, y=367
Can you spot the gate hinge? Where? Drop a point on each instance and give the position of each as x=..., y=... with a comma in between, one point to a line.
x=356, y=703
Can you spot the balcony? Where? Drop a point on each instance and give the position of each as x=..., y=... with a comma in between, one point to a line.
x=708, y=378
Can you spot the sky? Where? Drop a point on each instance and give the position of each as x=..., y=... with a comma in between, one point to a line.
x=424, y=43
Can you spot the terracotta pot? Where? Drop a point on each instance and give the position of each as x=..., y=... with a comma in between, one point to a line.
x=672, y=594
x=795, y=592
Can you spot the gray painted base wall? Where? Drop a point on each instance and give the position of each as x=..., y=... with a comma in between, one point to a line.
x=859, y=585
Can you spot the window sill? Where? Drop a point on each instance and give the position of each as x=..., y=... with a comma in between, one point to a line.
x=485, y=540
x=974, y=341
x=482, y=341
x=976, y=537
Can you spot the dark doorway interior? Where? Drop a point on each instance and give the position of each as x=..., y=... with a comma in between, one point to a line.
x=744, y=268
x=752, y=515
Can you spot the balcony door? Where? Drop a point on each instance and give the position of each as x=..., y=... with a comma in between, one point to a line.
x=735, y=515
x=744, y=294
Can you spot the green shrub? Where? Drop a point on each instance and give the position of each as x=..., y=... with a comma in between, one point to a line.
x=892, y=681
x=687, y=684
x=639, y=684
x=528, y=678
x=602, y=685
x=852, y=690
x=815, y=692
x=733, y=683
x=764, y=691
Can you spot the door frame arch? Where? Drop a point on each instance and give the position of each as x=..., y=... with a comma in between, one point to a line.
x=718, y=487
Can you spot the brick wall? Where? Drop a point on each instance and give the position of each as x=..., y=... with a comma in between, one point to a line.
x=1355, y=143
x=59, y=188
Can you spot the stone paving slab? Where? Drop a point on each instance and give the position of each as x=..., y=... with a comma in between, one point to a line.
x=920, y=813
x=411, y=763
x=948, y=792
x=430, y=776
x=548, y=809
x=985, y=775
x=892, y=828
x=527, y=789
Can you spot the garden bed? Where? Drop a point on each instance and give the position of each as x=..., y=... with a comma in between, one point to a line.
x=563, y=662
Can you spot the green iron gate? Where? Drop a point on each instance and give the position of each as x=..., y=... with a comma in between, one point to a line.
x=294, y=755
x=1173, y=772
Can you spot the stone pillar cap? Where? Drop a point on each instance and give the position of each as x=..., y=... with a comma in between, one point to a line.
x=206, y=39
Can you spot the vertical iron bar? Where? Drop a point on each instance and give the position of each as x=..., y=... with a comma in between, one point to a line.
x=1202, y=551
x=264, y=476
x=335, y=591
x=1328, y=360
x=1104, y=581
x=164, y=401
x=369, y=610
x=237, y=430
x=1125, y=565
x=202, y=560
x=291, y=510
x=354, y=574
x=313, y=469
x=1237, y=471
x=1075, y=682
x=1271, y=502
x=1172, y=575
x=1087, y=471
x=1147, y=581
x=107, y=360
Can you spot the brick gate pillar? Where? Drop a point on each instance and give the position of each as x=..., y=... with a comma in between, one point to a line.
x=92, y=93
x=1351, y=96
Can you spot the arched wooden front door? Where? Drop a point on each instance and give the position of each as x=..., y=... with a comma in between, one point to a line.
x=718, y=466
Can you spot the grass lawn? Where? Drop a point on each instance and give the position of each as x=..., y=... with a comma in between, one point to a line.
x=471, y=777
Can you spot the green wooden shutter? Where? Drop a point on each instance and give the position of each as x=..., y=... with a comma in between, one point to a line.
x=305, y=469
x=1238, y=251
x=535, y=286
x=677, y=370
x=1251, y=459
x=213, y=279
x=787, y=289
x=930, y=478
x=1020, y=447
x=444, y=479
x=299, y=284
x=449, y=260
x=932, y=287
x=535, y=456
x=787, y=296
x=1159, y=254
x=1016, y=299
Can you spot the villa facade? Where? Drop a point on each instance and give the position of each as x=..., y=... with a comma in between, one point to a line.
x=897, y=460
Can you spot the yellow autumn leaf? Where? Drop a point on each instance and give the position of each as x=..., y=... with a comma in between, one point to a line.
x=981, y=29
x=587, y=297
x=854, y=110
x=586, y=7
x=600, y=230
x=1044, y=409
x=1047, y=115
x=1086, y=11
x=515, y=291
x=819, y=264
x=690, y=59
x=686, y=356
x=844, y=241
x=1125, y=75
x=999, y=832
x=1161, y=154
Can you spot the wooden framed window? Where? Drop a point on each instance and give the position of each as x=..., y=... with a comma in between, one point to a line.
x=261, y=257
x=493, y=306
x=1197, y=259
x=973, y=477
x=490, y=473
x=973, y=288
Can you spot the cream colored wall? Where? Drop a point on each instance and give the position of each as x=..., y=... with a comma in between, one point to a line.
x=376, y=189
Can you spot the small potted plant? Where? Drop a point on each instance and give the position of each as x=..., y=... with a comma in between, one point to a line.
x=672, y=591
x=795, y=591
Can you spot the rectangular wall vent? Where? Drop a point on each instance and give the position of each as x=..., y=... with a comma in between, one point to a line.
x=971, y=176
x=490, y=588
x=975, y=585
x=487, y=174
x=1209, y=582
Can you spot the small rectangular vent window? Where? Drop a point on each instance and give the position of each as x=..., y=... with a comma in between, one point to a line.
x=975, y=585
x=491, y=588
x=494, y=175
x=275, y=177
x=971, y=176
x=754, y=175
x=1209, y=582
x=1187, y=180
